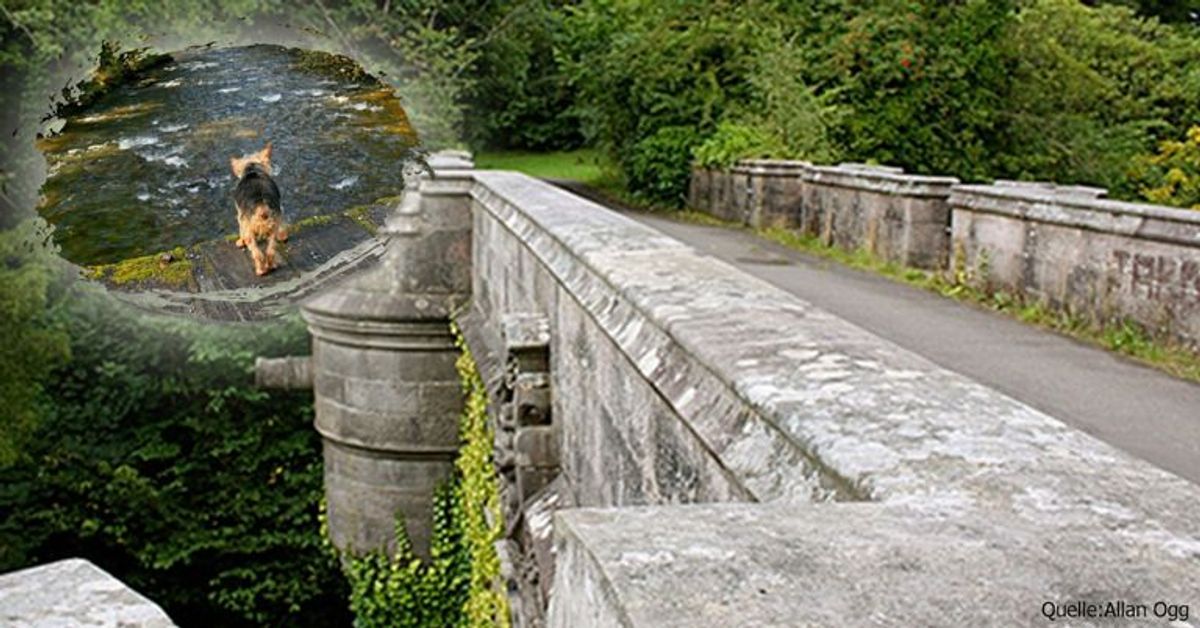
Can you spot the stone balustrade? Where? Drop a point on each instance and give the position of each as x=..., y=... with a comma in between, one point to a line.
x=1064, y=245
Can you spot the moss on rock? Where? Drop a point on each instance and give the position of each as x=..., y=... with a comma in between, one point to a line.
x=151, y=269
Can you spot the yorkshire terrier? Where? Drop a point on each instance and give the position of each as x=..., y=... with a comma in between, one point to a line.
x=259, y=214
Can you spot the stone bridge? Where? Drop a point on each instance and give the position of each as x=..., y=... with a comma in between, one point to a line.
x=682, y=444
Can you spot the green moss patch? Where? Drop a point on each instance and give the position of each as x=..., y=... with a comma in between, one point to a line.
x=148, y=269
x=361, y=215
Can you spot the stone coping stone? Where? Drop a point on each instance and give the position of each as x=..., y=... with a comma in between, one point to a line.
x=865, y=167
x=846, y=564
x=883, y=180
x=451, y=160
x=1138, y=220
x=73, y=592
x=1049, y=186
x=772, y=167
x=881, y=422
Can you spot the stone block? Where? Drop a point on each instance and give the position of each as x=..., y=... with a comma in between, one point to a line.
x=845, y=564
x=74, y=592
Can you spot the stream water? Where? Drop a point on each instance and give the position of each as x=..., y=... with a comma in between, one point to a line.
x=146, y=168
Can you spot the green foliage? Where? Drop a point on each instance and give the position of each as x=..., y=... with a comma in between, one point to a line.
x=732, y=141
x=1093, y=89
x=979, y=89
x=160, y=461
x=653, y=78
x=922, y=83
x=460, y=584
x=399, y=589
x=482, y=522
x=791, y=114
x=520, y=98
x=1172, y=176
x=658, y=166
x=33, y=341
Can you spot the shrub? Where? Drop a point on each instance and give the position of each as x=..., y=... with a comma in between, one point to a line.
x=1172, y=176
x=1092, y=89
x=162, y=463
x=733, y=141
x=33, y=339
x=659, y=165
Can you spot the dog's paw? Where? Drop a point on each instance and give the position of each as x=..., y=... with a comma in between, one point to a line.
x=240, y=243
x=281, y=236
x=261, y=271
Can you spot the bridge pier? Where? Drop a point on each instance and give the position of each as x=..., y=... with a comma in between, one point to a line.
x=387, y=395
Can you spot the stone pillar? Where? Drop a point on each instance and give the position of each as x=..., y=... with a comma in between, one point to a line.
x=775, y=191
x=387, y=395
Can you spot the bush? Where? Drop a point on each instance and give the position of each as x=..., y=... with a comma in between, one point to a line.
x=658, y=166
x=653, y=78
x=33, y=339
x=1172, y=176
x=160, y=462
x=922, y=83
x=1093, y=88
x=733, y=141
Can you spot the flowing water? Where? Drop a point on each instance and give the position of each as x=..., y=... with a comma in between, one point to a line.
x=146, y=168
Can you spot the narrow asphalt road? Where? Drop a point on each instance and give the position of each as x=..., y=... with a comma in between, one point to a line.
x=1142, y=411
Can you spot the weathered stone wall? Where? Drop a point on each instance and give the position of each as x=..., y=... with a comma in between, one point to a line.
x=661, y=427
x=677, y=379
x=899, y=217
x=1072, y=249
x=1063, y=244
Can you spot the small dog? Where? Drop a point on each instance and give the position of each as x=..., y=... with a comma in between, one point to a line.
x=259, y=213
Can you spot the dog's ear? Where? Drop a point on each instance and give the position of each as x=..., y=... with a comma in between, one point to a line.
x=237, y=166
x=265, y=153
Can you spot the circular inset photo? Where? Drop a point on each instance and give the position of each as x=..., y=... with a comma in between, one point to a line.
x=225, y=182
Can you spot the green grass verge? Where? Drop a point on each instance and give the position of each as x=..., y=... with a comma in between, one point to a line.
x=585, y=165
x=1124, y=337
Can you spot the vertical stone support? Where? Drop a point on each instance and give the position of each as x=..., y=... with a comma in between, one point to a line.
x=387, y=395
x=526, y=439
x=774, y=191
x=902, y=218
x=699, y=196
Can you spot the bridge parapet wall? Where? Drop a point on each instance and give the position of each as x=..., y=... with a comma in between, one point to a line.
x=1074, y=250
x=1065, y=245
x=712, y=418
x=900, y=217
